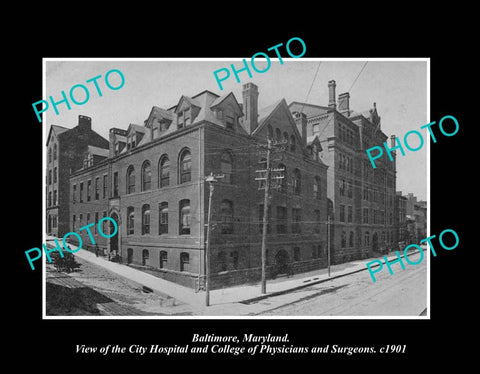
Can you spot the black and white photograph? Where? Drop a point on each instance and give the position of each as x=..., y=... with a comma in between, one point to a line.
x=236, y=188
x=206, y=195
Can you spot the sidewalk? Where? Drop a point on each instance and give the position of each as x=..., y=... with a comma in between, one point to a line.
x=237, y=296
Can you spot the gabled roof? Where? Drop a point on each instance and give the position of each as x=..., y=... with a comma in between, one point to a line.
x=266, y=113
x=57, y=130
x=160, y=112
x=189, y=100
x=314, y=140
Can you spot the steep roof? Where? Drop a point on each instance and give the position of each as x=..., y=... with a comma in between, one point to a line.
x=57, y=130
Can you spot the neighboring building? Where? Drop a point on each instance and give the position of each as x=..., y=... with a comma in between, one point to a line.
x=152, y=184
x=417, y=215
x=361, y=198
x=65, y=152
x=401, y=219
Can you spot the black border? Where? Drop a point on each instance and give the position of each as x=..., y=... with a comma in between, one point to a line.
x=449, y=314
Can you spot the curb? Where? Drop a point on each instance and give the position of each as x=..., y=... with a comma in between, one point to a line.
x=282, y=292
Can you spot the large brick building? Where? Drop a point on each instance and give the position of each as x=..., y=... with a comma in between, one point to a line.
x=153, y=184
x=66, y=149
x=361, y=198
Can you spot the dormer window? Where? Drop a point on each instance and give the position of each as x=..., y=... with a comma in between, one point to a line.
x=187, y=116
x=230, y=122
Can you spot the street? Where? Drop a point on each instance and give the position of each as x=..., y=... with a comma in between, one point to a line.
x=99, y=291
x=401, y=294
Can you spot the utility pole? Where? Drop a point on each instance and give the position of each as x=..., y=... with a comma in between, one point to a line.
x=328, y=244
x=211, y=179
x=267, y=172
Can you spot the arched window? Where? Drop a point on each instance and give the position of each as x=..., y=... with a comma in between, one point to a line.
x=226, y=212
x=130, y=179
x=145, y=219
x=145, y=257
x=129, y=255
x=163, y=259
x=146, y=176
x=270, y=131
x=49, y=155
x=185, y=166
x=55, y=151
x=184, y=261
x=184, y=219
x=164, y=171
x=292, y=143
x=130, y=220
x=163, y=218
x=367, y=238
x=351, y=239
x=285, y=139
x=278, y=134
x=226, y=167
x=316, y=187
x=297, y=182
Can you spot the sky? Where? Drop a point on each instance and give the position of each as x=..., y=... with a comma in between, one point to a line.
x=399, y=89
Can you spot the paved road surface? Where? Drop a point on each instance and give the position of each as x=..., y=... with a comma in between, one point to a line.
x=400, y=294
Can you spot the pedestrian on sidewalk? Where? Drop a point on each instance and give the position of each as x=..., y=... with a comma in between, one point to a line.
x=96, y=250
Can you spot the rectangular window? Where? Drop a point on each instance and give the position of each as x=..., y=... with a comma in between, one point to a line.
x=54, y=175
x=104, y=187
x=296, y=219
x=281, y=220
x=50, y=198
x=49, y=177
x=97, y=188
x=104, y=223
x=80, y=219
x=115, y=184
x=349, y=189
x=349, y=214
x=365, y=215
x=184, y=261
x=186, y=116
x=74, y=194
x=89, y=184
x=54, y=197
x=81, y=192
x=316, y=129
x=230, y=122
x=341, y=185
x=96, y=222
x=73, y=222
x=88, y=218
x=342, y=213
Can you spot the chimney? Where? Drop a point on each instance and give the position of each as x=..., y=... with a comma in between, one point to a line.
x=331, y=94
x=250, y=107
x=301, y=122
x=84, y=122
x=111, y=141
x=392, y=141
x=344, y=103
